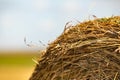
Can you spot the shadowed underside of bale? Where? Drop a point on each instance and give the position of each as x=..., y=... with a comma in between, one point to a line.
x=87, y=51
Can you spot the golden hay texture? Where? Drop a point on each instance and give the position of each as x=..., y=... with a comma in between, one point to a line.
x=87, y=51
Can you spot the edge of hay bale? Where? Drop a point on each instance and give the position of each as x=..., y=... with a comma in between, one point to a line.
x=83, y=52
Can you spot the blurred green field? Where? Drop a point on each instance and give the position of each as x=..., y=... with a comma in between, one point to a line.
x=17, y=65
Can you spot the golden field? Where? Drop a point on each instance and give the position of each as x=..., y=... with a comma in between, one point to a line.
x=17, y=65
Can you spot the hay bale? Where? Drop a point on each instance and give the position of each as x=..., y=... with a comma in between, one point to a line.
x=87, y=51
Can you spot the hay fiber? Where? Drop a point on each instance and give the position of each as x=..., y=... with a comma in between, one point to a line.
x=87, y=51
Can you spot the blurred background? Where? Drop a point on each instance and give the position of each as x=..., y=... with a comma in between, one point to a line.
x=27, y=26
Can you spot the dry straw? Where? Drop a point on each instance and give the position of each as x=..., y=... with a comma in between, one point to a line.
x=87, y=51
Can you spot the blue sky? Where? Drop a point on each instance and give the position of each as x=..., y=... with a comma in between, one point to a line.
x=44, y=20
